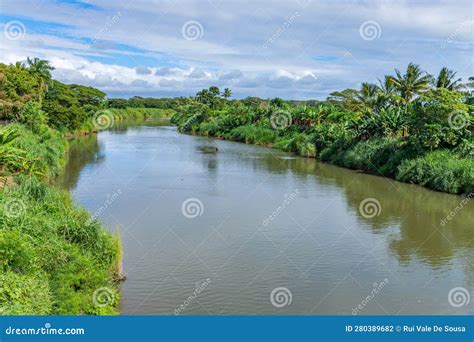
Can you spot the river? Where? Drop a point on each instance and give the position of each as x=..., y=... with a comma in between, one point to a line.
x=251, y=230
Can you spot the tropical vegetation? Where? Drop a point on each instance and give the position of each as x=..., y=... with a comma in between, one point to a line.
x=411, y=126
x=54, y=259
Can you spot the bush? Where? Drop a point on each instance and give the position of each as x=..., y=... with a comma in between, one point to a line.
x=298, y=143
x=440, y=170
x=371, y=155
x=16, y=252
x=23, y=152
x=253, y=135
x=33, y=117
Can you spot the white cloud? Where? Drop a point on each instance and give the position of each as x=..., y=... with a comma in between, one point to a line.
x=319, y=51
x=143, y=70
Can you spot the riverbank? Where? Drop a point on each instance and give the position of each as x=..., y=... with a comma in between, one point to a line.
x=404, y=158
x=56, y=260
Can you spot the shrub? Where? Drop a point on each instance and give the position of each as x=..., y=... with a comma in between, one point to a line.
x=440, y=170
x=299, y=143
x=24, y=152
x=371, y=155
x=253, y=135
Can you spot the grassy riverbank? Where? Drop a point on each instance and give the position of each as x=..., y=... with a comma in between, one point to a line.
x=54, y=259
x=412, y=127
x=121, y=114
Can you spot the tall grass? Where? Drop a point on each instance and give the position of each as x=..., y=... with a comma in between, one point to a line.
x=23, y=152
x=253, y=135
x=440, y=170
x=52, y=256
x=141, y=113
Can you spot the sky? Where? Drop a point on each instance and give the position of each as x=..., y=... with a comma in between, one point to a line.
x=294, y=49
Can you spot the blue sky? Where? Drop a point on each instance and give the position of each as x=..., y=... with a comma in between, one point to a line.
x=295, y=49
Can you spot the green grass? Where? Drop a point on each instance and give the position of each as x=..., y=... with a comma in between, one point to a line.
x=52, y=257
x=379, y=156
x=23, y=152
x=299, y=143
x=140, y=113
x=440, y=170
x=253, y=135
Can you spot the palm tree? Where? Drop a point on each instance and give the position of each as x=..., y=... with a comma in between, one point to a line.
x=412, y=83
x=471, y=83
x=387, y=87
x=447, y=79
x=387, y=93
x=20, y=65
x=367, y=94
x=41, y=69
x=227, y=93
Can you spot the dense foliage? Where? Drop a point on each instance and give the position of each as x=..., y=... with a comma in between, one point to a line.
x=53, y=258
x=411, y=126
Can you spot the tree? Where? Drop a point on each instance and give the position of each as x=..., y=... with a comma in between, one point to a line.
x=214, y=90
x=387, y=93
x=346, y=99
x=227, y=93
x=63, y=108
x=367, y=95
x=277, y=102
x=412, y=83
x=41, y=69
x=387, y=87
x=447, y=79
x=210, y=97
x=88, y=95
x=20, y=65
x=17, y=87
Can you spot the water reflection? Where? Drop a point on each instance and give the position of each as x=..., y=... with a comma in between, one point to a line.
x=82, y=151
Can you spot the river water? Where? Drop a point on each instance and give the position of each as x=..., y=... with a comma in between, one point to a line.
x=251, y=230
